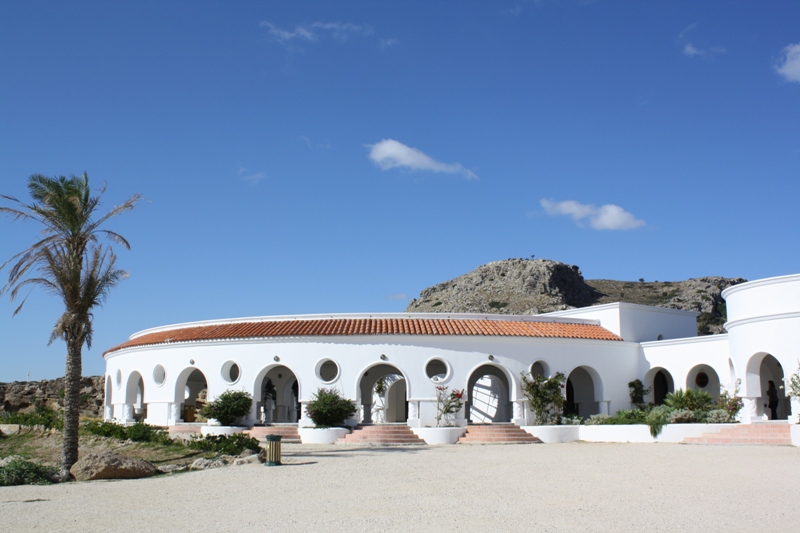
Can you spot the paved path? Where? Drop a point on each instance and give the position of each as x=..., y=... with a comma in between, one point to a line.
x=551, y=487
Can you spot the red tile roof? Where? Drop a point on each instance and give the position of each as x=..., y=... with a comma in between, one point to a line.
x=370, y=326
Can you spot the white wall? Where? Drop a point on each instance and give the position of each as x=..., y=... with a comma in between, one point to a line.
x=638, y=323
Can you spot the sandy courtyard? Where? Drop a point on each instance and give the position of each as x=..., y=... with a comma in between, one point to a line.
x=552, y=487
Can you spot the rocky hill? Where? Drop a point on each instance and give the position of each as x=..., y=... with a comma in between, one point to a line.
x=27, y=396
x=533, y=286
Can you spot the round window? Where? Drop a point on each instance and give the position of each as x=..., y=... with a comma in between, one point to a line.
x=230, y=372
x=701, y=380
x=159, y=374
x=436, y=370
x=539, y=369
x=328, y=371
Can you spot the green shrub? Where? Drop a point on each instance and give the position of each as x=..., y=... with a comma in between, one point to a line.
x=572, y=420
x=657, y=418
x=21, y=472
x=229, y=407
x=691, y=399
x=682, y=416
x=637, y=392
x=43, y=416
x=718, y=416
x=630, y=416
x=225, y=444
x=138, y=432
x=598, y=420
x=328, y=408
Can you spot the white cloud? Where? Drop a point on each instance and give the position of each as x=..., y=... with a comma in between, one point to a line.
x=340, y=31
x=398, y=296
x=251, y=177
x=789, y=64
x=393, y=154
x=605, y=217
x=689, y=48
x=388, y=43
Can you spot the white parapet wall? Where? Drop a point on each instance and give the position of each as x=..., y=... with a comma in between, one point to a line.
x=626, y=433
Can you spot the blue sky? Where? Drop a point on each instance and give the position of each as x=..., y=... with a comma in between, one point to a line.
x=314, y=157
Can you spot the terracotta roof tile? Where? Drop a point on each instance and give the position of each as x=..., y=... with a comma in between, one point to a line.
x=372, y=326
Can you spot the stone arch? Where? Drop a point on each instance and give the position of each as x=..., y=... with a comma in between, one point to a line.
x=392, y=405
x=285, y=408
x=703, y=377
x=191, y=392
x=584, y=392
x=660, y=382
x=490, y=391
x=761, y=369
x=135, y=405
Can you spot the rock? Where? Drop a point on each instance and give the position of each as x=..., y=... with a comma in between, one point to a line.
x=110, y=465
x=170, y=469
x=6, y=460
x=27, y=396
x=205, y=464
x=250, y=459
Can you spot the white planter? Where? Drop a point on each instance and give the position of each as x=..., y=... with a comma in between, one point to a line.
x=221, y=430
x=435, y=436
x=321, y=436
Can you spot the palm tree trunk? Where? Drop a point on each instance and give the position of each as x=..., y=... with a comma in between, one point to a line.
x=72, y=391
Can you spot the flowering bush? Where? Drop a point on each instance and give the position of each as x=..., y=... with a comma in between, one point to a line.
x=731, y=403
x=447, y=403
x=545, y=396
x=793, y=386
x=328, y=408
x=229, y=407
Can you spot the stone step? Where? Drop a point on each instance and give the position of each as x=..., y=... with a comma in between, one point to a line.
x=381, y=435
x=497, y=434
x=766, y=434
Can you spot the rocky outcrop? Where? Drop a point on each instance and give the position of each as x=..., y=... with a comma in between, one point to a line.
x=512, y=286
x=110, y=465
x=528, y=286
x=27, y=396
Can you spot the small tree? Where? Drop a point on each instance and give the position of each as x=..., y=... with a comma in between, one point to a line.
x=731, y=402
x=229, y=407
x=637, y=392
x=545, y=396
x=792, y=386
x=328, y=408
x=269, y=391
x=447, y=403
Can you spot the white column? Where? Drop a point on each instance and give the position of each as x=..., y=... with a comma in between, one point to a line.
x=108, y=413
x=794, y=410
x=519, y=413
x=304, y=420
x=750, y=412
x=127, y=413
x=413, y=414
x=604, y=407
x=174, y=413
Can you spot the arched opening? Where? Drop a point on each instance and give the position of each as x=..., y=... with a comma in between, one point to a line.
x=777, y=405
x=660, y=383
x=384, y=395
x=582, y=393
x=704, y=378
x=277, y=397
x=540, y=368
x=488, y=396
x=134, y=397
x=191, y=392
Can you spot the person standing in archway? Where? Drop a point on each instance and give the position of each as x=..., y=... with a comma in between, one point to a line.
x=772, y=395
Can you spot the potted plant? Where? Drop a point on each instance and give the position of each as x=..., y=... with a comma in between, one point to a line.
x=448, y=403
x=328, y=410
x=228, y=409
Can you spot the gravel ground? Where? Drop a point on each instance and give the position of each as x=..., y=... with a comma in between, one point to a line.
x=550, y=487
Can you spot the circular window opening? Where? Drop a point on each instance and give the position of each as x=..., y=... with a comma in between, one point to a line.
x=436, y=370
x=119, y=378
x=701, y=380
x=538, y=369
x=328, y=371
x=230, y=372
x=159, y=374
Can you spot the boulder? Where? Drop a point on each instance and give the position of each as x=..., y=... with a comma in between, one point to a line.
x=110, y=465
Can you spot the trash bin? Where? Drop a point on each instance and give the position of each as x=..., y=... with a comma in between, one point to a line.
x=273, y=450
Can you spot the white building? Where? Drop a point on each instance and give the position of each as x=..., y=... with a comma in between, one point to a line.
x=159, y=374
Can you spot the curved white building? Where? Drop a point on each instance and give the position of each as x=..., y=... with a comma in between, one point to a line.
x=159, y=373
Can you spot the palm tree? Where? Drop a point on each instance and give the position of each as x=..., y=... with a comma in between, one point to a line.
x=69, y=262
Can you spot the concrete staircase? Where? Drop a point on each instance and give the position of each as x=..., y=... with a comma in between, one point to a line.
x=497, y=434
x=287, y=432
x=382, y=434
x=764, y=433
